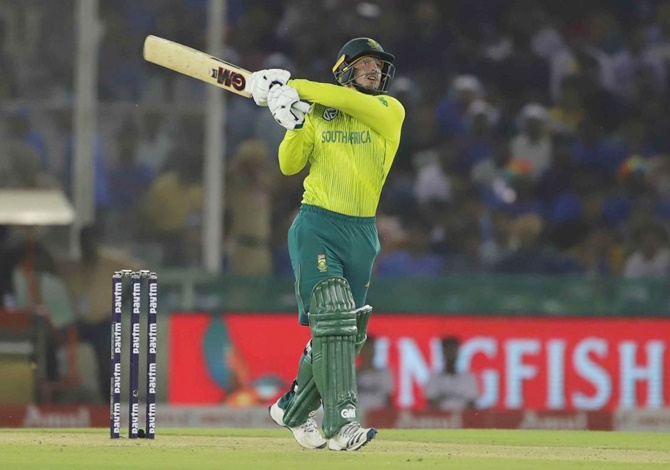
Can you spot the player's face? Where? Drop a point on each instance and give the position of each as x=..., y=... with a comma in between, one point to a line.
x=368, y=72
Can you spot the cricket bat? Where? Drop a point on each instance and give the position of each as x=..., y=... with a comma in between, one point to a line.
x=196, y=64
x=204, y=67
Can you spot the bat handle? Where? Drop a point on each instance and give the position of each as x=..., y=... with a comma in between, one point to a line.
x=303, y=106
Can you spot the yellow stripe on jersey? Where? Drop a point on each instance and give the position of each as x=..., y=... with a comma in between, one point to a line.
x=349, y=142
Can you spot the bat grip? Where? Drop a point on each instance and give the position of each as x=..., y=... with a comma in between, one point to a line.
x=303, y=106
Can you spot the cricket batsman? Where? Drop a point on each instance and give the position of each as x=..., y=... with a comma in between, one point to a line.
x=348, y=135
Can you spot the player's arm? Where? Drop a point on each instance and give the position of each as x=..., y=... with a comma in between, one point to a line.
x=382, y=113
x=295, y=149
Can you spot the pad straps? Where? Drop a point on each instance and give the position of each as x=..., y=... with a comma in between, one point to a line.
x=362, y=317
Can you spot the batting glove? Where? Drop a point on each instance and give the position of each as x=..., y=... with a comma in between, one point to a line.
x=260, y=82
x=286, y=107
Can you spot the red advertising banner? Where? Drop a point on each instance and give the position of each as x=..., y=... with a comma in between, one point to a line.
x=54, y=416
x=520, y=363
x=210, y=355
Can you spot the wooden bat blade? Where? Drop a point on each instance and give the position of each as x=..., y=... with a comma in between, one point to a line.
x=196, y=64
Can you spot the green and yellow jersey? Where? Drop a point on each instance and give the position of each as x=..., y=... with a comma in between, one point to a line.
x=349, y=141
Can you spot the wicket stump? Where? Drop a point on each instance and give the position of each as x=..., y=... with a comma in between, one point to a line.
x=136, y=278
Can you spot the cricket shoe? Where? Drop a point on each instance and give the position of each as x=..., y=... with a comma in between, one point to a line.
x=351, y=437
x=307, y=434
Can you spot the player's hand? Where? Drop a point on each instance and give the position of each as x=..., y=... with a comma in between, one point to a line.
x=260, y=83
x=286, y=107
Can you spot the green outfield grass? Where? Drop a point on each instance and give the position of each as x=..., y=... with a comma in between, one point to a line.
x=261, y=449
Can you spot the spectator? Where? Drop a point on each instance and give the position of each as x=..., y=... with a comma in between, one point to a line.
x=532, y=146
x=635, y=58
x=451, y=110
x=557, y=179
x=519, y=197
x=603, y=107
x=568, y=219
x=530, y=255
x=523, y=76
x=120, y=74
x=600, y=253
x=493, y=176
x=416, y=257
x=155, y=141
x=128, y=179
x=410, y=94
x=20, y=162
x=606, y=33
x=88, y=282
x=375, y=383
x=657, y=125
x=568, y=112
x=590, y=148
x=496, y=238
x=658, y=34
x=651, y=256
x=244, y=126
x=171, y=209
x=249, y=206
x=465, y=250
x=20, y=128
x=633, y=141
x=391, y=232
x=63, y=121
x=21, y=167
x=496, y=44
x=451, y=388
x=429, y=39
x=432, y=184
x=546, y=40
x=659, y=176
x=37, y=285
x=477, y=144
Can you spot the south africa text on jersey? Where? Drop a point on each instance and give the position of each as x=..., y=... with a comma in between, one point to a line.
x=342, y=137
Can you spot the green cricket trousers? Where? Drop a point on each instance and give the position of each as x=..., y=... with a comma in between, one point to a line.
x=322, y=244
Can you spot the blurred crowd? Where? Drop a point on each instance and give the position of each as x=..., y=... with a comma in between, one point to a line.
x=537, y=137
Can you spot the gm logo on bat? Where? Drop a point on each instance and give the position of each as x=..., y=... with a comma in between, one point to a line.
x=229, y=78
